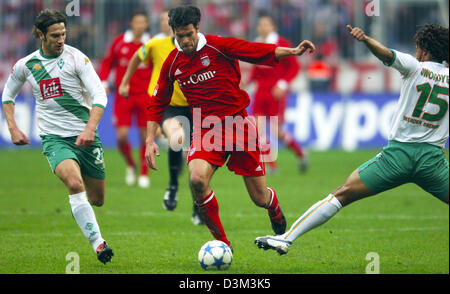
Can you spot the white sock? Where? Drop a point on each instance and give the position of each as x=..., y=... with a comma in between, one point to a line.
x=318, y=214
x=85, y=218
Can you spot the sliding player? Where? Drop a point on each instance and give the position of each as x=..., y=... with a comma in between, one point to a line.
x=419, y=131
x=61, y=77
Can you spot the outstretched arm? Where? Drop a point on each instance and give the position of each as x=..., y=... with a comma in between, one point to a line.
x=379, y=50
x=281, y=52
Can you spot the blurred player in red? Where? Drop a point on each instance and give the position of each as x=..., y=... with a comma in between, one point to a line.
x=118, y=57
x=272, y=88
x=207, y=70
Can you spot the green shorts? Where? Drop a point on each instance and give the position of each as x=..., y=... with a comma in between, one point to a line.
x=90, y=159
x=400, y=163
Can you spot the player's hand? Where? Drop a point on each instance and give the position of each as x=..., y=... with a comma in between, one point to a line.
x=303, y=47
x=151, y=150
x=85, y=138
x=124, y=90
x=357, y=33
x=19, y=138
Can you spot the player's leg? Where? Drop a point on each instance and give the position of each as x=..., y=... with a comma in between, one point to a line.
x=383, y=172
x=289, y=141
x=266, y=197
x=173, y=130
x=352, y=190
x=69, y=173
x=200, y=174
x=432, y=171
x=122, y=123
x=126, y=151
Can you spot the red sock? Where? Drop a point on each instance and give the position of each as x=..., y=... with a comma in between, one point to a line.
x=209, y=212
x=293, y=145
x=125, y=149
x=273, y=208
x=144, y=167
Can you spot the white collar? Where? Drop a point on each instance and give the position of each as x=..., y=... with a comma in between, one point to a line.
x=200, y=45
x=128, y=37
x=272, y=38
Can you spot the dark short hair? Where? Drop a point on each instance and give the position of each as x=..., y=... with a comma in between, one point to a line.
x=47, y=18
x=183, y=16
x=138, y=12
x=434, y=39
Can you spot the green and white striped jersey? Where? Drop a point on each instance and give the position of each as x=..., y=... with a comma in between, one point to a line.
x=422, y=110
x=65, y=87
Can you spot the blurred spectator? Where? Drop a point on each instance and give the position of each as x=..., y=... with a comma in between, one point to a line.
x=319, y=75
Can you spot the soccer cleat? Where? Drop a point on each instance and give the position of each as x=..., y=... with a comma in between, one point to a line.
x=170, y=198
x=104, y=253
x=143, y=181
x=278, y=222
x=130, y=176
x=273, y=242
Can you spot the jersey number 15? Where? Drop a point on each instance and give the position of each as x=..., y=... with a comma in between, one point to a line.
x=430, y=94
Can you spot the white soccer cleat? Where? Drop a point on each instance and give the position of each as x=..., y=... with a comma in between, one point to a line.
x=143, y=181
x=130, y=176
x=276, y=243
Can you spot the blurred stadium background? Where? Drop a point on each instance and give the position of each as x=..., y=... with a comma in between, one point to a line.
x=342, y=98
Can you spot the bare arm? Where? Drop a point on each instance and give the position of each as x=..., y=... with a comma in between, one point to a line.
x=378, y=49
x=281, y=52
x=132, y=66
x=87, y=137
x=17, y=136
x=151, y=147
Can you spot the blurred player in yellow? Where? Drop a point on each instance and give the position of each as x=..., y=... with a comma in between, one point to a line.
x=177, y=122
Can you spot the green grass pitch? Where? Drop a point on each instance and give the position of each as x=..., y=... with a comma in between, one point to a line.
x=406, y=227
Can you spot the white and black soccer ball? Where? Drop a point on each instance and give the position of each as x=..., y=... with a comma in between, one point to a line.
x=215, y=255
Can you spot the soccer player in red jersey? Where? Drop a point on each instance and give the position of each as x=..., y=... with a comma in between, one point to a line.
x=207, y=71
x=118, y=57
x=272, y=87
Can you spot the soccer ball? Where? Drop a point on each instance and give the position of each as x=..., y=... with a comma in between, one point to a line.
x=215, y=255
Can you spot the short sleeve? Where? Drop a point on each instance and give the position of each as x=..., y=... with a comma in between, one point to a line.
x=406, y=64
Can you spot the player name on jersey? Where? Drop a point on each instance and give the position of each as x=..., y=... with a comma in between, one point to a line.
x=434, y=76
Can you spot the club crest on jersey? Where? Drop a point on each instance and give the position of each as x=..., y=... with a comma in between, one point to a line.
x=51, y=88
x=205, y=61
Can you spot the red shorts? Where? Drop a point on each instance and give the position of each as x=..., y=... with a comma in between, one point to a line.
x=236, y=142
x=268, y=106
x=124, y=109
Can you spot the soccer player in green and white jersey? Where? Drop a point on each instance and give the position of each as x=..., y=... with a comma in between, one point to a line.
x=70, y=101
x=419, y=131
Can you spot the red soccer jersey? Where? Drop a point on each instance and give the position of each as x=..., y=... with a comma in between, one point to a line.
x=210, y=78
x=118, y=57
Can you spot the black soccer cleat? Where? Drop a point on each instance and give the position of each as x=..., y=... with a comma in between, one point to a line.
x=104, y=253
x=170, y=198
